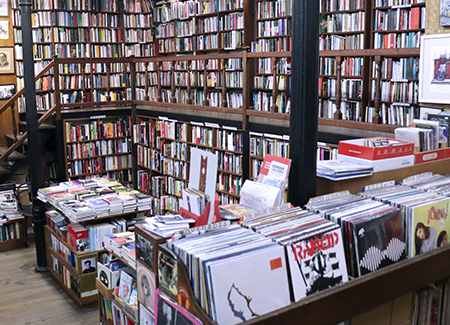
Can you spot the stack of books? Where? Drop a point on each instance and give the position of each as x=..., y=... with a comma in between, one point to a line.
x=143, y=201
x=115, y=203
x=166, y=226
x=100, y=206
x=129, y=203
x=77, y=211
x=44, y=192
x=8, y=206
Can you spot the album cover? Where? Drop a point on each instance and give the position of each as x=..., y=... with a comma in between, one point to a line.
x=146, y=286
x=380, y=241
x=168, y=272
x=317, y=263
x=430, y=226
x=248, y=285
x=168, y=312
x=144, y=251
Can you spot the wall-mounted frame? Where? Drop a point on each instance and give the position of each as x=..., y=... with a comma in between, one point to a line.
x=434, y=76
x=4, y=8
x=444, y=19
x=7, y=65
x=7, y=91
x=4, y=29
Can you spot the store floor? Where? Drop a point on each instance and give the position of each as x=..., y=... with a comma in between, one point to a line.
x=27, y=297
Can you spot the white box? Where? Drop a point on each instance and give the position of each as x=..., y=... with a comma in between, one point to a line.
x=382, y=165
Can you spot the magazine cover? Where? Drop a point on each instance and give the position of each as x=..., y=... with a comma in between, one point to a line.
x=168, y=272
x=380, y=241
x=248, y=285
x=317, y=263
x=430, y=226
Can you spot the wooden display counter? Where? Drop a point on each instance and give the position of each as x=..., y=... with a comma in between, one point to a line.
x=355, y=185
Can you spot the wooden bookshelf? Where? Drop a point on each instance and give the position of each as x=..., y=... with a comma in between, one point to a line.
x=16, y=240
x=99, y=146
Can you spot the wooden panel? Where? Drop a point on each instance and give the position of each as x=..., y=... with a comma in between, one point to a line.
x=7, y=79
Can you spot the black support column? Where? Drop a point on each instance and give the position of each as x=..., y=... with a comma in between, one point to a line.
x=304, y=100
x=34, y=152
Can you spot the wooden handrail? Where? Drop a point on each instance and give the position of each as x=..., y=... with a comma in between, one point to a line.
x=20, y=92
x=25, y=135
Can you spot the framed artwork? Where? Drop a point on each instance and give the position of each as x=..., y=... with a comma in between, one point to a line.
x=434, y=76
x=444, y=11
x=4, y=8
x=7, y=91
x=4, y=29
x=7, y=60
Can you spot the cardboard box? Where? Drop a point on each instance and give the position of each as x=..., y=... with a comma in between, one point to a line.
x=381, y=165
x=356, y=148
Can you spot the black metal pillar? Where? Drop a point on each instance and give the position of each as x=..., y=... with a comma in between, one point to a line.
x=34, y=152
x=304, y=100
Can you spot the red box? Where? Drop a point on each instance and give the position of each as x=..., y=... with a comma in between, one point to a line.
x=428, y=156
x=355, y=148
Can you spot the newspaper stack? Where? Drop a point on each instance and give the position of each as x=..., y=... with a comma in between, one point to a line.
x=166, y=226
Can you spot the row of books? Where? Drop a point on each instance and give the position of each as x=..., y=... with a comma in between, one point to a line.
x=274, y=9
x=263, y=101
x=350, y=66
x=337, y=42
x=398, y=69
x=402, y=91
x=341, y=5
x=229, y=183
x=98, y=148
x=262, y=144
x=98, y=130
x=278, y=27
x=140, y=50
x=389, y=3
x=138, y=35
x=214, y=6
x=342, y=22
x=41, y=35
x=400, y=19
x=138, y=21
x=174, y=10
x=105, y=20
x=397, y=40
x=65, y=35
x=350, y=88
x=98, y=165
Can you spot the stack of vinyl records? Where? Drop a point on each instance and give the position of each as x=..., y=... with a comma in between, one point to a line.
x=314, y=248
x=143, y=201
x=100, y=206
x=433, y=183
x=343, y=169
x=77, y=211
x=245, y=273
x=424, y=216
x=166, y=226
x=373, y=232
x=129, y=203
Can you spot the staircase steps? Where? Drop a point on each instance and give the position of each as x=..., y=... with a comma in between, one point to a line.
x=4, y=171
x=43, y=126
x=10, y=139
x=14, y=156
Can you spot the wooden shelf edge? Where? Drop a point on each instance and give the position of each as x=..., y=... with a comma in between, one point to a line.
x=358, y=125
x=339, y=303
x=12, y=244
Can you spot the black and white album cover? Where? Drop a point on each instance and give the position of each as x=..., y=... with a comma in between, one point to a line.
x=317, y=263
x=144, y=251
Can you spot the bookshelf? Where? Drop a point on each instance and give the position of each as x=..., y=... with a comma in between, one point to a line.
x=80, y=29
x=98, y=147
x=12, y=234
x=64, y=266
x=163, y=155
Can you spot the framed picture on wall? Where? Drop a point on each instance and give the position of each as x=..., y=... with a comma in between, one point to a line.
x=4, y=29
x=7, y=60
x=434, y=75
x=7, y=91
x=444, y=11
x=4, y=8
